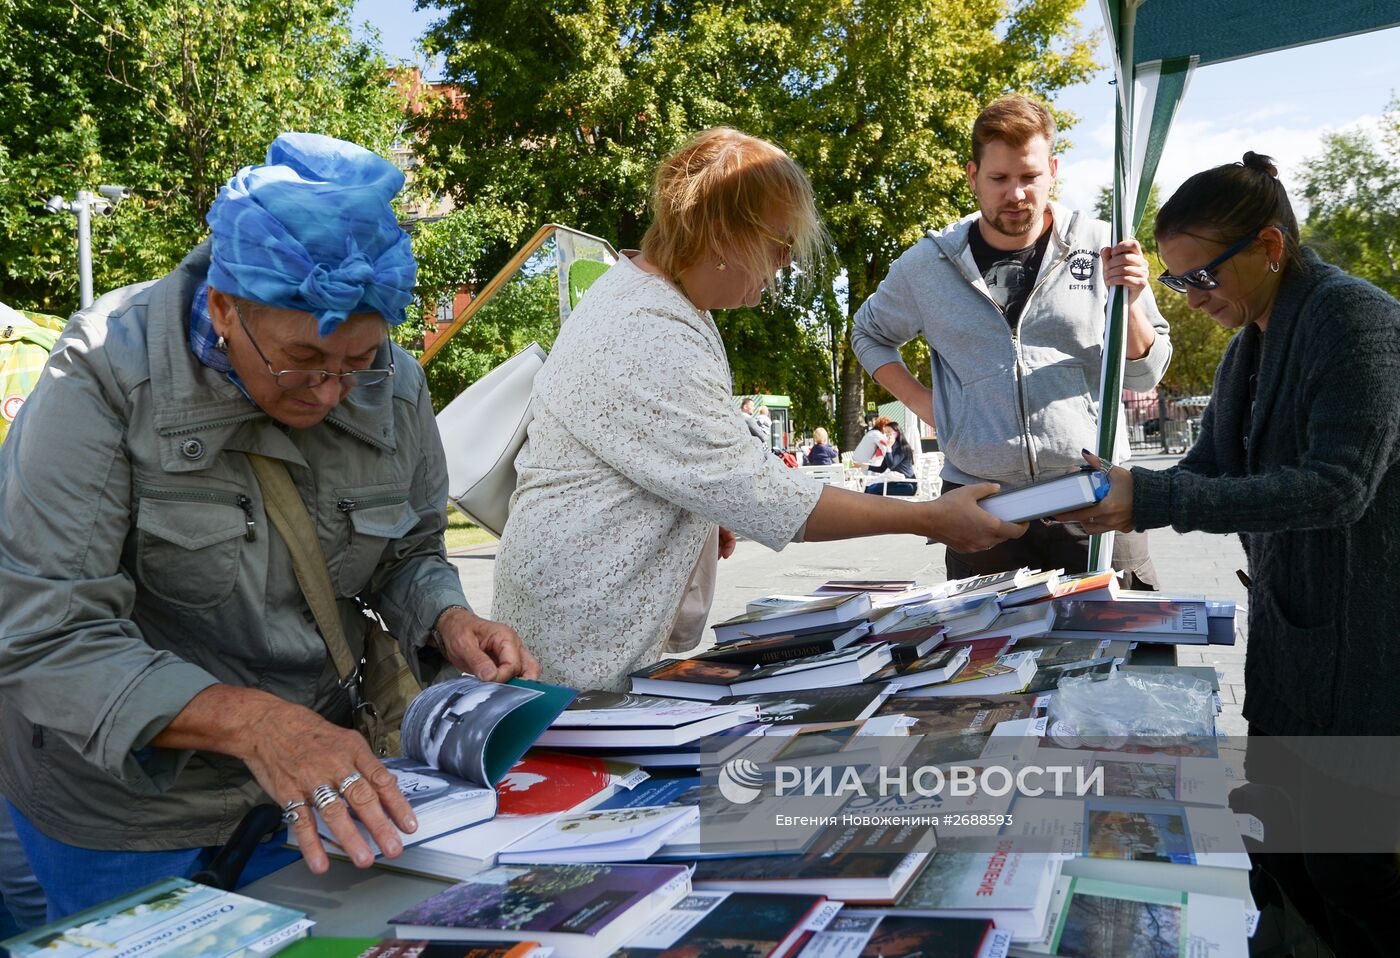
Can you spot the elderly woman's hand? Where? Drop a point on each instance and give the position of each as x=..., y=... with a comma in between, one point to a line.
x=959, y=522
x=296, y=755
x=1112, y=513
x=489, y=650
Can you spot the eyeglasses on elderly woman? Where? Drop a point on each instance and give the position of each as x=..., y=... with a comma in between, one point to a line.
x=1203, y=277
x=311, y=378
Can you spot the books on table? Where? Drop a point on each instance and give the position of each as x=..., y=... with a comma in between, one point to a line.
x=1014, y=624
x=955, y=617
x=639, y=726
x=845, y=862
x=713, y=749
x=601, y=835
x=813, y=706
x=691, y=678
x=1009, y=887
x=323, y=947
x=1090, y=918
x=1048, y=497
x=1009, y=673
x=1181, y=623
x=786, y=645
x=1094, y=586
x=822, y=610
x=861, y=933
x=538, y=789
x=170, y=917
x=581, y=911
x=836, y=586
x=992, y=583
x=741, y=924
x=940, y=665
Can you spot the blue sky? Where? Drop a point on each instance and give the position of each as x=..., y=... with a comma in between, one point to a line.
x=1279, y=104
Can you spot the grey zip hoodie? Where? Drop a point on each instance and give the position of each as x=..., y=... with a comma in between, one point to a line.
x=1009, y=407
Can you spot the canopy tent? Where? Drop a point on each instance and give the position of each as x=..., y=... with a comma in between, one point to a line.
x=1156, y=45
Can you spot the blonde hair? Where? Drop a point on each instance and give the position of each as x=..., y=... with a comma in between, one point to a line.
x=1015, y=120
x=715, y=191
x=819, y=434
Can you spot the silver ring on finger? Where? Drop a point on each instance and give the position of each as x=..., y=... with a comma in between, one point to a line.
x=290, y=814
x=324, y=796
x=349, y=780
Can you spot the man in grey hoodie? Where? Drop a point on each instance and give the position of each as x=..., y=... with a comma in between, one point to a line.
x=1012, y=302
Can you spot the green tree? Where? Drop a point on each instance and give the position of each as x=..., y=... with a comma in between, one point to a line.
x=1353, y=194
x=1198, y=342
x=169, y=97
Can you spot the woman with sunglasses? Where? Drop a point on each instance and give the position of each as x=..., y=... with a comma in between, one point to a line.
x=610, y=553
x=160, y=672
x=1298, y=454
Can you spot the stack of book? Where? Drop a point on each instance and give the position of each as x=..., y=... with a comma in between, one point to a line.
x=580, y=824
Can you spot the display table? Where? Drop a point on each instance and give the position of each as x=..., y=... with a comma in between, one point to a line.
x=345, y=902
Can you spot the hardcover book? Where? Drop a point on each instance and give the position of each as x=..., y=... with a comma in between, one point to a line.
x=787, y=645
x=940, y=665
x=825, y=610
x=1138, y=620
x=1010, y=673
x=582, y=911
x=813, y=706
x=1048, y=497
x=857, y=933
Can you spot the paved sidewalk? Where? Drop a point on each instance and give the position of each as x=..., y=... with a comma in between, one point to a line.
x=1191, y=563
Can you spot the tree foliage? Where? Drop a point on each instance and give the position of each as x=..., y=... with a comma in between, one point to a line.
x=568, y=107
x=169, y=97
x=1353, y=194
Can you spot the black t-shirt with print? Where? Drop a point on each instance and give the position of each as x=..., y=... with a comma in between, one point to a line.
x=1009, y=274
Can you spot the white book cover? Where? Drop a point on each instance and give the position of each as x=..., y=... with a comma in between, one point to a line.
x=611, y=835
x=1048, y=497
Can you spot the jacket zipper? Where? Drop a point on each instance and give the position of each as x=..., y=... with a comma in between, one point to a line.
x=1020, y=384
x=205, y=495
x=348, y=506
x=212, y=423
x=362, y=436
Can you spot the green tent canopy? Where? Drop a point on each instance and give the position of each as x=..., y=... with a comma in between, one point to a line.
x=1156, y=44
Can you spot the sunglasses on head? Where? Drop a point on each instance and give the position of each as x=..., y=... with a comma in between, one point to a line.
x=1203, y=277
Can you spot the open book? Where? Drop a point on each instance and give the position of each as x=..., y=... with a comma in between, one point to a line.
x=460, y=738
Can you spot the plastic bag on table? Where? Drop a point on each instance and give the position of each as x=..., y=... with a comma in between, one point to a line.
x=1151, y=709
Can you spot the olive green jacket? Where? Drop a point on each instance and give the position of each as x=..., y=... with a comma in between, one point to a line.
x=137, y=566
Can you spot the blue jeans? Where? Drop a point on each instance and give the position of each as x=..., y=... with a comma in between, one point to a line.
x=76, y=878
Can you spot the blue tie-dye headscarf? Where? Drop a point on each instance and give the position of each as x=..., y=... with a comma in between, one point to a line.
x=312, y=230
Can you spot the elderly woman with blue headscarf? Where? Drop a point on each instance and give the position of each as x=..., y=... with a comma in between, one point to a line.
x=159, y=668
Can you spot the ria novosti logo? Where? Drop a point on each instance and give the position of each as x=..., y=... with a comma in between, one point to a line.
x=740, y=780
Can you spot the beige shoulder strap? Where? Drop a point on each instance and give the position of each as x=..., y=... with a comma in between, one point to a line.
x=288, y=513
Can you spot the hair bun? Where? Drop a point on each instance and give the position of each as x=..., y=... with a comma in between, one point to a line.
x=1260, y=163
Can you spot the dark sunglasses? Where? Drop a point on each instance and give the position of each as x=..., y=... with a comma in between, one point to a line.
x=1203, y=277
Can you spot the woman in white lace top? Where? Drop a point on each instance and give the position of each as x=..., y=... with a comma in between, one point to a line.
x=608, y=558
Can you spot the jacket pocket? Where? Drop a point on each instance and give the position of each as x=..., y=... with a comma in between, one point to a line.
x=188, y=543
x=374, y=517
x=1063, y=416
x=985, y=435
x=1297, y=663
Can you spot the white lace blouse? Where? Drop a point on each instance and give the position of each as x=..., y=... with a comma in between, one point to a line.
x=635, y=453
